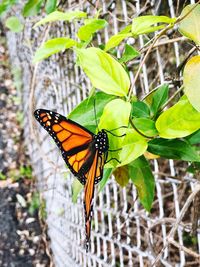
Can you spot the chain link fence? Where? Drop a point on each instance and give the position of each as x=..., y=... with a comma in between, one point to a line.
x=123, y=233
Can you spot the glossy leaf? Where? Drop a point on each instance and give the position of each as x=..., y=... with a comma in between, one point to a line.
x=159, y=97
x=50, y=6
x=115, y=40
x=104, y=72
x=53, y=46
x=77, y=187
x=32, y=7
x=146, y=126
x=194, y=138
x=107, y=172
x=84, y=113
x=61, y=16
x=129, y=54
x=91, y=26
x=190, y=25
x=173, y=149
x=140, y=109
x=141, y=175
x=121, y=175
x=191, y=80
x=144, y=24
x=14, y=24
x=178, y=121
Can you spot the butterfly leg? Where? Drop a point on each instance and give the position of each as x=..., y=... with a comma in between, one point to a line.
x=113, y=159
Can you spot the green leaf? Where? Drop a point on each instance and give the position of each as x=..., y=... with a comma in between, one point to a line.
x=146, y=126
x=173, y=149
x=115, y=40
x=32, y=8
x=194, y=138
x=91, y=26
x=129, y=54
x=143, y=24
x=142, y=177
x=121, y=175
x=14, y=24
x=190, y=25
x=77, y=187
x=6, y=5
x=53, y=46
x=106, y=175
x=191, y=80
x=61, y=16
x=50, y=6
x=84, y=113
x=160, y=96
x=178, y=121
x=140, y=109
x=104, y=71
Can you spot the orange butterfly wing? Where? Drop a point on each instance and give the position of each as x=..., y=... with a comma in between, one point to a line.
x=93, y=176
x=72, y=139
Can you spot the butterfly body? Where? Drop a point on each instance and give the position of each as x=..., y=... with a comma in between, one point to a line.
x=84, y=152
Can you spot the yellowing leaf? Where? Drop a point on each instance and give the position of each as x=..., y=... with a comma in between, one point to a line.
x=178, y=121
x=190, y=25
x=104, y=72
x=191, y=80
x=122, y=175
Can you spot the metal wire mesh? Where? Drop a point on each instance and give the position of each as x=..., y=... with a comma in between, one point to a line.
x=123, y=233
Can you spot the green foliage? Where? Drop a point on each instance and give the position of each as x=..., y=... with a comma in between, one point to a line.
x=14, y=24
x=145, y=126
x=6, y=5
x=115, y=40
x=141, y=175
x=32, y=7
x=140, y=110
x=106, y=175
x=159, y=97
x=178, y=121
x=122, y=175
x=191, y=80
x=53, y=46
x=104, y=72
x=173, y=149
x=91, y=26
x=61, y=16
x=77, y=187
x=34, y=204
x=25, y=172
x=129, y=54
x=2, y=176
x=194, y=138
x=50, y=6
x=145, y=24
x=190, y=25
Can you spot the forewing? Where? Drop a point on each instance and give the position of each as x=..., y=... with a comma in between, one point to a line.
x=72, y=139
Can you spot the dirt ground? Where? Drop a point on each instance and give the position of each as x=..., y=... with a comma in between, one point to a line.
x=23, y=239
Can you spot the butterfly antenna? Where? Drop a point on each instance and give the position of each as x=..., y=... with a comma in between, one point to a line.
x=95, y=114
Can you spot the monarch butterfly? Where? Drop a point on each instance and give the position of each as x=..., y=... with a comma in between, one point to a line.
x=84, y=152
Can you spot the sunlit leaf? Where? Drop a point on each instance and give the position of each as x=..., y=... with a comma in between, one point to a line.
x=53, y=46
x=178, y=121
x=190, y=25
x=142, y=177
x=145, y=24
x=173, y=149
x=61, y=16
x=191, y=80
x=104, y=72
x=91, y=26
x=121, y=175
x=14, y=24
x=106, y=175
x=115, y=40
x=194, y=138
